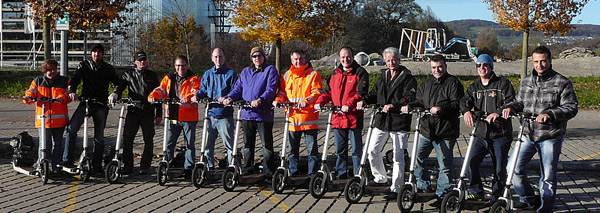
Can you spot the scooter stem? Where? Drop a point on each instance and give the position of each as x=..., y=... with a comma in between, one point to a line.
x=237, y=132
x=120, y=131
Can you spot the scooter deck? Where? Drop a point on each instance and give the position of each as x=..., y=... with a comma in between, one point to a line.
x=298, y=180
x=251, y=178
x=29, y=171
x=378, y=189
x=338, y=185
x=425, y=196
x=215, y=175
x=70, y=170
x=474, y=205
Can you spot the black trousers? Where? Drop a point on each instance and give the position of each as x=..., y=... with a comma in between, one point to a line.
x=134, y=120
x=265, y=131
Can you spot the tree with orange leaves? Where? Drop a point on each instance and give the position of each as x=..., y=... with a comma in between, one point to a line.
x=548, y=16
x=280, y=21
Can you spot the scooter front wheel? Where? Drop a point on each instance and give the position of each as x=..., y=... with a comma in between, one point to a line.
x=199, y=176
x=406, y=198
x=44, y=171
x=318, y=185
x=229, y=180
x=85, y=169
x=499, y=207
x=162, y=175
x=353, y=191
x=451, y=203
x=112, y=173
x=278, y=181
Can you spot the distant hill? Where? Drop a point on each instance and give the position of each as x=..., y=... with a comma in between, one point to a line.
x=469, y=28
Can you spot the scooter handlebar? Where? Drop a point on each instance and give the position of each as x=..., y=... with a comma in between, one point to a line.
x=168, y=101
x=91, y=100
x=242, y=104
x=287, y=104
x=45, y=100
x=334, y=109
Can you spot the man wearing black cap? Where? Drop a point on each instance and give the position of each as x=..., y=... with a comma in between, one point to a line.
x=95, y=75
x=140, y=81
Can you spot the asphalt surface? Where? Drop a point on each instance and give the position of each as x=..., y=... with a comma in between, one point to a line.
x=578, y=189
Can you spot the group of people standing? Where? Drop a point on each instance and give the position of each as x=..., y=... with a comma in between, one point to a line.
x=545, y=93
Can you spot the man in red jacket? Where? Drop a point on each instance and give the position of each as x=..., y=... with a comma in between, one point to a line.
x=345, y=87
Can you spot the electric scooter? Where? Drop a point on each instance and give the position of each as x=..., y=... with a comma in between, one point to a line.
x=232, y=176
x=84, y=168
x=164, y=171
x=408, y=195
x=283, y=176
x=202, y=172
x=323, y=181
x=355, y=188
x=113, y=169
x=505, y=203
x=454, y=201
x=43, y=168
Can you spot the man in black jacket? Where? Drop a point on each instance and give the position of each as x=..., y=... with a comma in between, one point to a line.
x=489, y=94
x=395, y=88
x=140, y=81
x=95, y=76
x=440, y=94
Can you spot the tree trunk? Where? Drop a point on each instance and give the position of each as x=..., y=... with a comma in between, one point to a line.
x=524, y=53
x=278, y=55
x=46, y=38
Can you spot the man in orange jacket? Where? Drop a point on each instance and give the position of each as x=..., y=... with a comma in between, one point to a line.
x=181, y=84
x=301, y=85
x=50, y=85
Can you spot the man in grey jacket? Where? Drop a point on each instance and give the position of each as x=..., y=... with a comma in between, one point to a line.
x=549, y=96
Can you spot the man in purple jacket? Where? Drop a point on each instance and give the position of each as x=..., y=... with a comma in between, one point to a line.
x=257, y=84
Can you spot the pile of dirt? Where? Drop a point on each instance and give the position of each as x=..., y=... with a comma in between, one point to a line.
x=577, y=52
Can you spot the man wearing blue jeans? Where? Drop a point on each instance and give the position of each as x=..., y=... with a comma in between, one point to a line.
x=345, y=87
x=489, y=94
x=550, y=97
x=440, y=94
x=217, y=82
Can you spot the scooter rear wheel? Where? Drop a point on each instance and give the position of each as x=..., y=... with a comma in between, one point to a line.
x=229, y=180
x=198, y=176
x=451, y=203
x=353, y=191
x=44, y=171
x=162, y=175
x=85, y=169
x=112, y=172
x=278, y=182
x=499, y=207
x=318, y=185
x=406, y=198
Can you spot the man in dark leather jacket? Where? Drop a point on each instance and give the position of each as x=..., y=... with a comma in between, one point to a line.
x=440, y=94
x=140, y=81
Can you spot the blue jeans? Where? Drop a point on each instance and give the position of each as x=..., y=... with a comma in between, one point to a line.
x=498, y=150
x=444, y=155
x=341, y=143
x=54, y=143
x=310, y=137
x=549, y=152
x=189, y=134
x=224, y=128
x=99, y=114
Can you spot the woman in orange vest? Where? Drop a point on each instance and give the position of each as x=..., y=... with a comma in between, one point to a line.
x=301, y=85
x=181, y=84
x=50, y=85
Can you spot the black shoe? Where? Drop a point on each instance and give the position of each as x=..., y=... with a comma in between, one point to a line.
x=187, y=174
x=474, y=197
x=126, y=171
x=373, y=183
x=428, y=190
x=436, y=204
x=391, y=196
x=67, y=164
x=144, y=171
x=523, y=206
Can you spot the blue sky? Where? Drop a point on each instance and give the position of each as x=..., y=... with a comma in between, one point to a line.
x=449, y=10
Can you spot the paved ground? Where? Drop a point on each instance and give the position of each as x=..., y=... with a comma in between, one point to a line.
x=578, y=190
